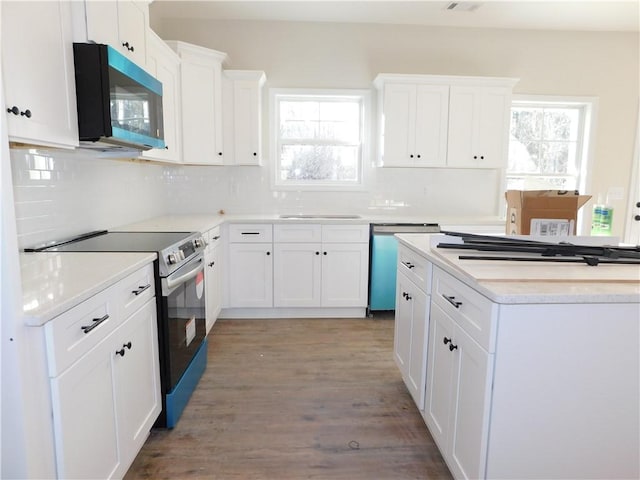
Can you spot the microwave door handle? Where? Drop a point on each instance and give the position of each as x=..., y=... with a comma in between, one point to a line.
x=174, y=282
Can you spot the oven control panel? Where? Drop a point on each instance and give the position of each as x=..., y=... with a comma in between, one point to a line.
x=185, y=251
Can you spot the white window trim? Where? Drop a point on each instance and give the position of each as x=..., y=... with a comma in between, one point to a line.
x=365, y=161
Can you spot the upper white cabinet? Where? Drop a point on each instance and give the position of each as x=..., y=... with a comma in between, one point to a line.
x=164, y=64
x=123, y=24
x=242, y=100
x=478, y=126
x=201, y=97
x=40, y=101
x=415, y=120
x=442, y=121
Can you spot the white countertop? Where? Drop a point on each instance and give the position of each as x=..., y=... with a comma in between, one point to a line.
x=204, y=222
x=524, y=290
x=52, y=283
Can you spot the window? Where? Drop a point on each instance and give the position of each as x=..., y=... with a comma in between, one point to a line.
x=548, y=143
x=319, y=138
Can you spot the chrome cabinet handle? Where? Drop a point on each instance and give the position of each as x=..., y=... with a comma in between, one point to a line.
x=96, y=322
x=141, y=289
x=452, y=300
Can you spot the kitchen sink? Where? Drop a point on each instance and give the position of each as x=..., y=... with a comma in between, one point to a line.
x=336, y=217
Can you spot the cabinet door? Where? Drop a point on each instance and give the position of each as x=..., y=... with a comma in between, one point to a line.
x=399, y=113
x=246, y=122
x=84, y=416
x=102, y=22
x=201, y=116
x=213, y=281
x=440, y=367
x=250, y=275
x=345, y=268
x=469, y=427
x=296, y=275
x=402, y=327
x=132, y=30
x=418, y=355
x=432, y=111
x=478, y=127
x=136, y=382
x=164, y=64
x=41, y=87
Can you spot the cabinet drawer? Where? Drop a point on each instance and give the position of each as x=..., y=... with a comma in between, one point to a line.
x=345, y=233
x=305, y=233
x=416, y=268
x=250, y=233
x=135, y=290
x=68, y=336
x=475, y=313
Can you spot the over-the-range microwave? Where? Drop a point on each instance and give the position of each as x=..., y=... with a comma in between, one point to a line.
x=119, y=104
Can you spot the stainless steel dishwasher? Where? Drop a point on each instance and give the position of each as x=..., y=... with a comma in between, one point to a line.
x=383, y=259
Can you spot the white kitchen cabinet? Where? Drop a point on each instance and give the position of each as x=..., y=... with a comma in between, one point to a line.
x=104, y=376
x=410, y=336
x=345, y=270
x=213, y=276
x=242, y=116
x=122, y=24
x=458, y=395
x=479, y=119
x=413, y=289
x=39, y=89
x=250, y=265
x=201, y=99
x=320, y=265
x=136, y=381
x=164, y=64
x=297, y=274
x=444, y=121
x=414, y=130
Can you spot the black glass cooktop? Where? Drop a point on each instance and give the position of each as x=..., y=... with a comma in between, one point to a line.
x=119, y=242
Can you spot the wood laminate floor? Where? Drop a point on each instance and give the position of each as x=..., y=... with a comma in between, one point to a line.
x=296, y=399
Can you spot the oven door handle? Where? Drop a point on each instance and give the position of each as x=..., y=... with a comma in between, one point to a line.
x=174, y=282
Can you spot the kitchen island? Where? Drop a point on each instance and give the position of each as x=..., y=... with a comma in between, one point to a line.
x=520, y=377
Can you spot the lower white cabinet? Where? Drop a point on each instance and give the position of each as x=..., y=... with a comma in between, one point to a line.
x=250, y=275
x=105, y=386
x=320, y=265
x=458, y=395
x=213, y=276
x=298, y=266
x=410, y=336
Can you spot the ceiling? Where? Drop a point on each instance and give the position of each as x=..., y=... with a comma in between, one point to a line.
x=590, y=15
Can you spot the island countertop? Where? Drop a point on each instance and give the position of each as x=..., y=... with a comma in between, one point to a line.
x=509, y=282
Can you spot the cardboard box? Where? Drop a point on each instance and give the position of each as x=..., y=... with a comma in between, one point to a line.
x=554, y=212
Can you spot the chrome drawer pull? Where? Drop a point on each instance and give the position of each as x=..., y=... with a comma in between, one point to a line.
x=96, y=322
x=141, y=289
x=452, y=300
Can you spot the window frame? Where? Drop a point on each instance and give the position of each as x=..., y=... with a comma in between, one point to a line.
x=278, y=94
x=586, y=134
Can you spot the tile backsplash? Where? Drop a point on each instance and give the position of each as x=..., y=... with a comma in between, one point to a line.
x=59, y=194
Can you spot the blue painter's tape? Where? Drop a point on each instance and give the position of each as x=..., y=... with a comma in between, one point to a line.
x=131, y=70
x=177, y=400
x=137, y=138
x=383, y=272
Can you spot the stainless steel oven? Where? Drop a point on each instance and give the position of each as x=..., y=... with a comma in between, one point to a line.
x=180, y=302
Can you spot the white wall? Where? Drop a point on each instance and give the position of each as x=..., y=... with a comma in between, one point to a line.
x=600, y=64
